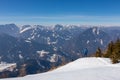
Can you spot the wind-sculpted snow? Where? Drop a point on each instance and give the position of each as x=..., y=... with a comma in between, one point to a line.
x=81, y=69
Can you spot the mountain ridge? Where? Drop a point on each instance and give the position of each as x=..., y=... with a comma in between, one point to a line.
x=50, y=46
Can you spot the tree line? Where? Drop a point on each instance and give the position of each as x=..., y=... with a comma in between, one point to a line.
x=112, y=51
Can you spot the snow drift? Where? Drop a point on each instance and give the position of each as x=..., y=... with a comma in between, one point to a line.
x=81, y=69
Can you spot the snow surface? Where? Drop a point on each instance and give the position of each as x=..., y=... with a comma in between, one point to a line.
x=6, y=66
x=25, y=29
x=54, y=58
x=101, y=41
x=20, y=56
x=88, y=41
x=81, y=69
x=42, y=53
x=95, y=30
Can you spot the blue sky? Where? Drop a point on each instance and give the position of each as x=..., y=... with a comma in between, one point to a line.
x=98, y=12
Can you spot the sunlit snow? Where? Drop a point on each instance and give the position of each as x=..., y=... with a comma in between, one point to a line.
x=81, y=69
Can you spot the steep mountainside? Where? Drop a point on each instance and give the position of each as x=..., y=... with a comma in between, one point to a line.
x=10, y=29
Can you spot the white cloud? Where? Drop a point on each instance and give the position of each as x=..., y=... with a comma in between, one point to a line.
x=66, y=19
x=62, y=17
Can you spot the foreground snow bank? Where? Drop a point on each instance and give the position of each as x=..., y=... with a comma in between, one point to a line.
x=81, y=69
x=83, y=63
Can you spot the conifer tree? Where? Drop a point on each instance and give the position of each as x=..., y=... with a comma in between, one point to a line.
x=98, y=53
x=115, y=57
x=110, y=49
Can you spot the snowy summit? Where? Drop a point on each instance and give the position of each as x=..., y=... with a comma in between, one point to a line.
x=81, y=69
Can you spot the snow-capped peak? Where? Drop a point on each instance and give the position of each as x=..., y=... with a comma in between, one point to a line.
x=25, y=29
x=96, y=30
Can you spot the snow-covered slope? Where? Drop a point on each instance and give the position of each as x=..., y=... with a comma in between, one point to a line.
x=81, y=69
x=84, y=63
x=7, y=66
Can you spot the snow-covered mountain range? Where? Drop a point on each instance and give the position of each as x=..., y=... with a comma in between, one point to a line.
x=45, y=47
